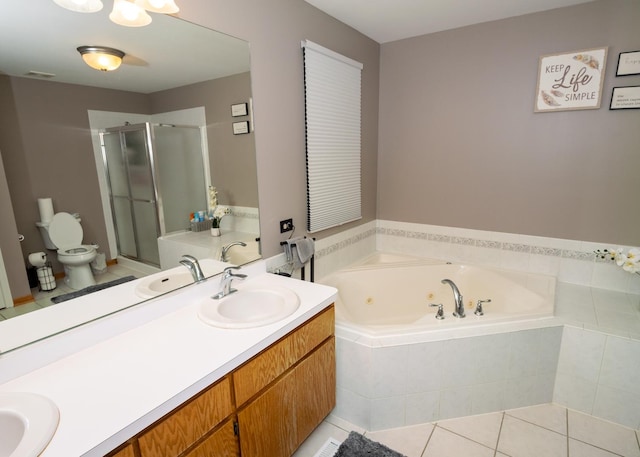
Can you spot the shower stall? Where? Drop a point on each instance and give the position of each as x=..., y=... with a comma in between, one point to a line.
x=156, y=177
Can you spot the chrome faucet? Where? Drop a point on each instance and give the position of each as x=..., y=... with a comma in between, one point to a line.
x=457, y=297
x=225, y=282
x=194, y=267
x=225, y=249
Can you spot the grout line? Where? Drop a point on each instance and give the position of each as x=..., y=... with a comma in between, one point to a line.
x=495, y=451
x=428, y=439
x=566, y=417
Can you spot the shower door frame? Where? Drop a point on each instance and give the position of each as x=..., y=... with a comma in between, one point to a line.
x=156, y=202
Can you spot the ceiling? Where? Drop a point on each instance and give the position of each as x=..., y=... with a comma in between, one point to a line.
x=38, y=35
x=391, y=20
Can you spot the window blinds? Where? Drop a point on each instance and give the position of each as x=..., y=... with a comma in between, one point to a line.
x=332, y=85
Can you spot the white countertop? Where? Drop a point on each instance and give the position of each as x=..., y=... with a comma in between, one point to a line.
x=110, y=391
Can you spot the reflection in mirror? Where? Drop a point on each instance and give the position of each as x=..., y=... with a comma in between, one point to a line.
x=174, y=73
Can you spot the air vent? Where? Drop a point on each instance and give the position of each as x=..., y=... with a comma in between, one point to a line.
x=40, y=74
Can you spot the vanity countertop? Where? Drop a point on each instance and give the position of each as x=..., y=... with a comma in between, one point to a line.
x=112, y=390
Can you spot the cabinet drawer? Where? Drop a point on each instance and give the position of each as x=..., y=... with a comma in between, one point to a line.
x=221, y=443
x=185, y=426
x=253, y=376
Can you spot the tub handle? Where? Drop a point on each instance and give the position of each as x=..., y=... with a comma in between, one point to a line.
x=479, y=311
x=440, y=312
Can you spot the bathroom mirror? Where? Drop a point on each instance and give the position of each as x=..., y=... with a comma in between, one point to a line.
x=169, y=66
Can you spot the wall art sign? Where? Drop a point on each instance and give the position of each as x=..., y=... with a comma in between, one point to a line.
x=570, y=81
x=628, y=63
x=239, y=109
x=625, y=98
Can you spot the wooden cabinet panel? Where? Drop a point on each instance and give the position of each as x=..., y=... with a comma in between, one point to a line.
x=315, y=389
x=280, y=419
x=124, y=452
x=184, y=427
x=253, y=376
x=221, y=443
x=266, y=425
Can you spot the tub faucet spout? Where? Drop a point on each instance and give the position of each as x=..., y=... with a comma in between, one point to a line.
x=194, y=267
x=457, y=297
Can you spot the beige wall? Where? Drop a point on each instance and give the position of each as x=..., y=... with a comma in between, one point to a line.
x=461, y=146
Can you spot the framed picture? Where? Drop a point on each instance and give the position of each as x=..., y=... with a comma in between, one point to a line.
x=239, y=109
x=625, y=98
x=628, y=63
x=240, y=128
x=570, y=81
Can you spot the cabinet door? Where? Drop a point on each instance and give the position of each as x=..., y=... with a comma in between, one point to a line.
x=221, y=443
x=124, y=452
x=280, y=419
x=267, y=424
x=315, y=389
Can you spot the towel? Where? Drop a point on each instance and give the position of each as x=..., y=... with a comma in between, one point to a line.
x=298, y=251
x=305, y=249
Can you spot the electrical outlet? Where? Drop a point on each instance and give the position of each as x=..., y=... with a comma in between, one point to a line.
x=286, y=225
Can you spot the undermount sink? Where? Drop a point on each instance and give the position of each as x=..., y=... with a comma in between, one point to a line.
x=249, y=307
x=27, y=423
x=163, y=282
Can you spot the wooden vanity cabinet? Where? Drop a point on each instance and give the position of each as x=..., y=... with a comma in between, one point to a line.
x=265, y=408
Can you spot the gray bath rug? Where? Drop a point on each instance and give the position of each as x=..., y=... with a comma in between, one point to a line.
x=356, y=445
x=91, y=289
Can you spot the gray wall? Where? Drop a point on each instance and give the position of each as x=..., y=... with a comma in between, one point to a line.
x=274, y=30
x=461, y=146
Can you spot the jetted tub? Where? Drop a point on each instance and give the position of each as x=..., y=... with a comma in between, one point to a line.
x=390, y=294
x=397, y=365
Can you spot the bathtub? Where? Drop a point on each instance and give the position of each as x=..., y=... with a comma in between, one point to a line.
x=387, y=294
x=397, y=365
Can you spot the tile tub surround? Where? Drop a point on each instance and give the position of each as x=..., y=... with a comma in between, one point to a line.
x=400, y=385
x=570, y=261
x=595, y=299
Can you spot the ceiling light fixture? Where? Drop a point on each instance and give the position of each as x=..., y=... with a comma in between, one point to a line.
x=129, y=14
x=80, y=6
x=159, y=6
x=101, y=58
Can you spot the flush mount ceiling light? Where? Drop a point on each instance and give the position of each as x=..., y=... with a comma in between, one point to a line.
x=80, y=6
x=101, y=58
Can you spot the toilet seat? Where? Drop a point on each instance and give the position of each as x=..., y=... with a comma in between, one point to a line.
x=66, y=233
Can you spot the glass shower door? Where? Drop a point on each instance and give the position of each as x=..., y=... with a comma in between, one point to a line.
x=129, y=172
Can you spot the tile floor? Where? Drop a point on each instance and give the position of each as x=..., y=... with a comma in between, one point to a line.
x=43, y=298
x=545, y=430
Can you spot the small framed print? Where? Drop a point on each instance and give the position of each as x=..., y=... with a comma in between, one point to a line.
x=625, y=98
x=240, y=128
x=239, y=109
x=628, y=63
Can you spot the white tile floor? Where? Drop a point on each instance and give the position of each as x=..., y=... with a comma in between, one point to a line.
x=545, y=430
x=43, y=298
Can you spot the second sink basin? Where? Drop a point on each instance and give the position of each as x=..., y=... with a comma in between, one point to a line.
x=163, y=282
x=27, y=423
x=249, y=307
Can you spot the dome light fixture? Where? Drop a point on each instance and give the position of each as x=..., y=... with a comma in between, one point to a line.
x=80, y=6
x=129, y=14
x=101, y=57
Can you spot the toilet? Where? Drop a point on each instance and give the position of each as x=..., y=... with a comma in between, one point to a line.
x=64, y=233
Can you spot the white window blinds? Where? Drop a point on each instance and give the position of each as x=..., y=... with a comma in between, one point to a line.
x=332, y=114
